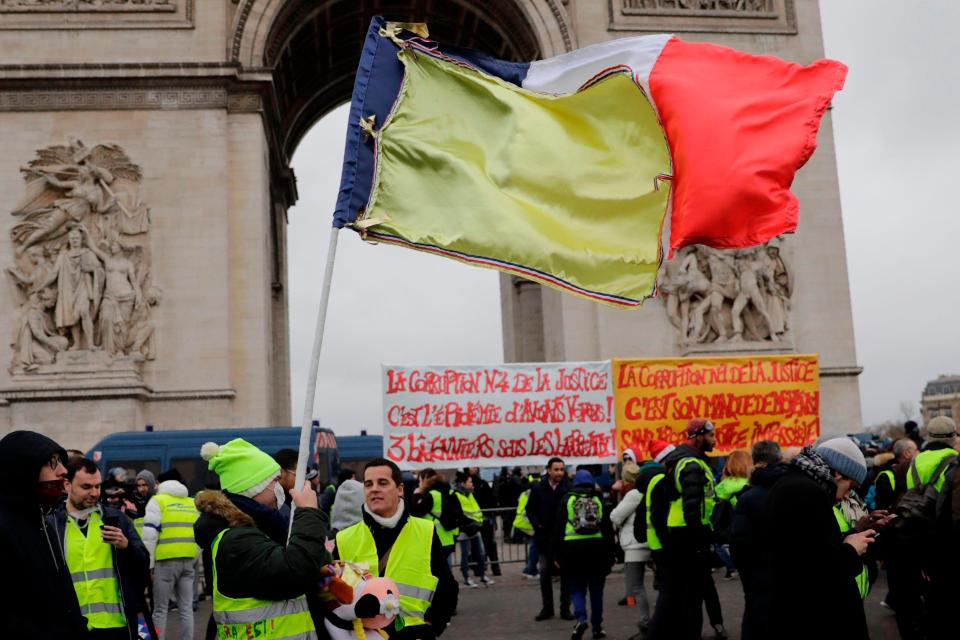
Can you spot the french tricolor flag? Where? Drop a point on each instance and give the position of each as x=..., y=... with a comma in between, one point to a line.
x=726, y=130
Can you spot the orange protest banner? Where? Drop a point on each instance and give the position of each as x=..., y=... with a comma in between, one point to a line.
x=748, y=398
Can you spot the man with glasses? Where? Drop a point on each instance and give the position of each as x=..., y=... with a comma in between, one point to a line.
x=37, y=599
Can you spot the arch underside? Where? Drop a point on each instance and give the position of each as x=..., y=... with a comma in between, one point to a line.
x=313, y=48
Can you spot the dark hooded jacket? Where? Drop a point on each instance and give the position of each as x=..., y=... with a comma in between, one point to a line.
x=132, y=564
x=748, y=539
x=37, y=598
x=807, y=560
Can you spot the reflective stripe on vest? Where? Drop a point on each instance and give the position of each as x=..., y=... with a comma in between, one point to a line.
x=90, y=561
x=408, y=564
x=521, y=522
x=261, y=619
x=447, y=536
x=676, y=517
x=925, y=464
x=177, y=517
x=569, y=533
x=470, y=507
x=653, y=540
x=863, y=578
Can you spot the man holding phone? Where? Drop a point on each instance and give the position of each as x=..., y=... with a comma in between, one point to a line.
x=107, y=561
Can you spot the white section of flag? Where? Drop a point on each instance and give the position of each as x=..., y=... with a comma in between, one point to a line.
x=569, y=71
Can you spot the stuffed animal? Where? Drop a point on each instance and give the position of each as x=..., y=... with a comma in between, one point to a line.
x=358, y=601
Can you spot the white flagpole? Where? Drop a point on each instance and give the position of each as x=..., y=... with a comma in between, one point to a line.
x=311, y=394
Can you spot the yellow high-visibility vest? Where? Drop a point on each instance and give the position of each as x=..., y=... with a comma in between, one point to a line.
x=408, y=564
x=177, y=517
x=676, y=518
x=94, y=576
x=244, y=618
x=521, y=522
x=863, y=578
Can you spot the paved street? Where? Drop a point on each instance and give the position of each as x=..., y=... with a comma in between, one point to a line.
x=506, y=610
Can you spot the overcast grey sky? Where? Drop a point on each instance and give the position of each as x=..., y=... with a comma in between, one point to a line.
x=898, y=143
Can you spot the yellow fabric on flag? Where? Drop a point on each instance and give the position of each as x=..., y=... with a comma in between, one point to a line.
x=559, y=189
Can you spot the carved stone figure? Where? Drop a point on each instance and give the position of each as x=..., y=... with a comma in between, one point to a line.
x=82, y=205
x=34, y=340
x=120, y=296
x=753, y=274
x=716, y=295
x=79, y=279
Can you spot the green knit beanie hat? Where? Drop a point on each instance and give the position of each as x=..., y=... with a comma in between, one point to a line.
x=243, y=469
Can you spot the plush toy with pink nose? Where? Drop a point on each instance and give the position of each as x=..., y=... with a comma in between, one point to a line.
x=359, y=602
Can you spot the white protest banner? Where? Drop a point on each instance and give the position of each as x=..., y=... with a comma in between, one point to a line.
x=498, y=415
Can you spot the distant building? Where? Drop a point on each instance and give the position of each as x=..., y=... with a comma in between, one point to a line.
x=941, y=397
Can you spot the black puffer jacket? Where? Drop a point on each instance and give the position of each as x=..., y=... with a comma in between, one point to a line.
x=132, y=564
x=749, y=537
x=693, y=483
x=37, y=599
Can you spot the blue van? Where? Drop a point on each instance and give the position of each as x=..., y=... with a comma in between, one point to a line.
x=159, y=451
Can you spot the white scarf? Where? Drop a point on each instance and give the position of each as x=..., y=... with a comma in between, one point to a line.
x=387, y=523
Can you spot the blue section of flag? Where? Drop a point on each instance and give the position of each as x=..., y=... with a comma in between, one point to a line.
x=379, y=77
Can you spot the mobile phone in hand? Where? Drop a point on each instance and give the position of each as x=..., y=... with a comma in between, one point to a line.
x=111, y=521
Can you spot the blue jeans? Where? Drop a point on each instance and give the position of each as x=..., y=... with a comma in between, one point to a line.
x=532, y=558
x=472, y=546
x=578, y=595
x=724, y=555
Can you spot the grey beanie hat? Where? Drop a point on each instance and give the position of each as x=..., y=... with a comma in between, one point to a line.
x=147, y=475
x=347, y=505
x=844, y=457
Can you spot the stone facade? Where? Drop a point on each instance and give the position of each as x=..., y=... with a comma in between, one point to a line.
x=941, y=397
x=209, y=100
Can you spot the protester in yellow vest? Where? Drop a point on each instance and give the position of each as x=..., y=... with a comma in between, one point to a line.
x=259, y=581
x=404, y=548
x=168, y=535
x=586, y=551
x=472, y=549
x=107, y=561
x=688, y=499
x=431, y=500
x=935, y=464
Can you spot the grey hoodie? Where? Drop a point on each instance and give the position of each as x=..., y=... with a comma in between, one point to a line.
x=347, y=506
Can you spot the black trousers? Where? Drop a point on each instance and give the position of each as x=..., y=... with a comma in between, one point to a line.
x=678, y=614
x=547, y=571
x=490, y=546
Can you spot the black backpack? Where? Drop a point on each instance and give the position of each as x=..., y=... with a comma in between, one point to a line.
x=916, y=510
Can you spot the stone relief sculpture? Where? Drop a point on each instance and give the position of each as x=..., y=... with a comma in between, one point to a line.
x=749, y=6
x=716, y=295
x=82, y=258
x=11, y=6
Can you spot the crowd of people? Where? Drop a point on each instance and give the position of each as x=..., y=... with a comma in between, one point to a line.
x=806, y=531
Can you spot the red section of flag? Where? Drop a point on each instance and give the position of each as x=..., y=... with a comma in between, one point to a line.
x=739, y=127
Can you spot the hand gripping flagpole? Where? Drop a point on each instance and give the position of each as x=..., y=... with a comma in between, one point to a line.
x=311, y=395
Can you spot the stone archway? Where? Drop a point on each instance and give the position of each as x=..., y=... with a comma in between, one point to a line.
x=312, y=48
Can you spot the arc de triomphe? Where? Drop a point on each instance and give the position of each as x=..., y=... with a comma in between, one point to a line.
x=146, y=178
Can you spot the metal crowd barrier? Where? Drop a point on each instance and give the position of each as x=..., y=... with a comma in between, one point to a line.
x=501, y=544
